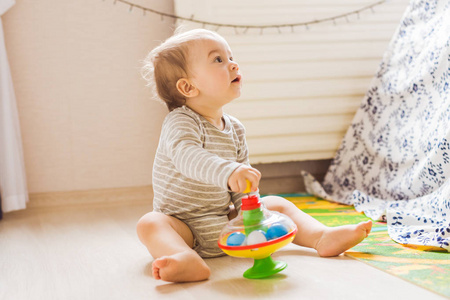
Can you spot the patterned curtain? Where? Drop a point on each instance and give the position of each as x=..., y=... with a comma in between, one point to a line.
x=394, y=161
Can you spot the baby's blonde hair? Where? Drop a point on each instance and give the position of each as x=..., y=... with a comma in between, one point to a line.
x=168, y=62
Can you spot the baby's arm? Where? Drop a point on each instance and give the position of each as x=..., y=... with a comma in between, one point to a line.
x=182, y=139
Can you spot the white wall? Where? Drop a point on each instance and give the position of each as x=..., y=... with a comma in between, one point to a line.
x=87, y=118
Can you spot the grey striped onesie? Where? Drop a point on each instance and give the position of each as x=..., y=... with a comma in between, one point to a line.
x=192, y=165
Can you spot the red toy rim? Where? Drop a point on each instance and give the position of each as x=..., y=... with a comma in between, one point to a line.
x=260, y=245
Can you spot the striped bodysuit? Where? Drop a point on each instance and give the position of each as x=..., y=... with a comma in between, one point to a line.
x=192, y=165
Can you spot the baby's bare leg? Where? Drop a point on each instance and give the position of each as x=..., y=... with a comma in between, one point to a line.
x=328, y=241
x=170, y=243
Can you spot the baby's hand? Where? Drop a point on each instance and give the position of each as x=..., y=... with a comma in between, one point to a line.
x=237, y=182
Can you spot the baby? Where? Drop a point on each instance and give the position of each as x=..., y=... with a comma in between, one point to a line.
x=202, y=163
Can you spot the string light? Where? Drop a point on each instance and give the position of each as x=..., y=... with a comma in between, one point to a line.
x=245, y=28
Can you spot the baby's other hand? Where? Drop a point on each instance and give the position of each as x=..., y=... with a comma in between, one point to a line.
x=237, y=180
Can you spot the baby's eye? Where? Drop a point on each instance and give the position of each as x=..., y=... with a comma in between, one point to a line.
x=231, y=58
x=218, y=59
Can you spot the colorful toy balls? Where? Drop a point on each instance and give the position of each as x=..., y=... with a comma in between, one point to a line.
x=236, y=239
x=256, y=237
x=275, y=231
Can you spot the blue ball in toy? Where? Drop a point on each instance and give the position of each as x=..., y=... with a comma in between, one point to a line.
x=236, y=239
x=276, y=230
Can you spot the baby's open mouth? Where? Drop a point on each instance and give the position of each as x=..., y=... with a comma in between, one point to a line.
x=237, y=79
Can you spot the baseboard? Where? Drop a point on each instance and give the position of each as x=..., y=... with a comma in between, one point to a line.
x=285, y=178
x=277, y=178
x=127, y=195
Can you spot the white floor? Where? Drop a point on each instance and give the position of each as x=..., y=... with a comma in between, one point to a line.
x=94, y=253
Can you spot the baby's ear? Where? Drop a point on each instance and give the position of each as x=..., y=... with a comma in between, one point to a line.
x=186, y=88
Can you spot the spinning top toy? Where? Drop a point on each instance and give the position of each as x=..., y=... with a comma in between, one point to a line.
x=257, y=233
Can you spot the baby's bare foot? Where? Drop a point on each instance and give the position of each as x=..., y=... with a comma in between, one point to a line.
x=181, y=267
x=336, y=240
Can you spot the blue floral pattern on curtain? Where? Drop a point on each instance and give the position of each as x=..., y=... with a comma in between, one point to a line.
x=394, y=161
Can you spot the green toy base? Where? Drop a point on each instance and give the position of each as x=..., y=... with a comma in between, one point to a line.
x=264, y=268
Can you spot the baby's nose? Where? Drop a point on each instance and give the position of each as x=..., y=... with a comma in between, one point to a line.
x=234, y=66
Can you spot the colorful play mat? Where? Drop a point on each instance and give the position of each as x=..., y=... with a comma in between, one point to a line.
x=425, y=267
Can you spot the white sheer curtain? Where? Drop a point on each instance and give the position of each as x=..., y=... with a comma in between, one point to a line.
x=13, y=187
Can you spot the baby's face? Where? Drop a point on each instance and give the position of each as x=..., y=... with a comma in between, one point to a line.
x=213, y=71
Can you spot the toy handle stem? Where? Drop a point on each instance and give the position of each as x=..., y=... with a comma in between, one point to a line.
x=248, y=189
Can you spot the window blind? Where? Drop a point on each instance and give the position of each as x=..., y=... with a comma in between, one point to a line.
x=302, y=85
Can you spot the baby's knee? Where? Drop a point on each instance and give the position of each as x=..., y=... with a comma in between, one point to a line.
x=149, y=223
x=277, y=203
